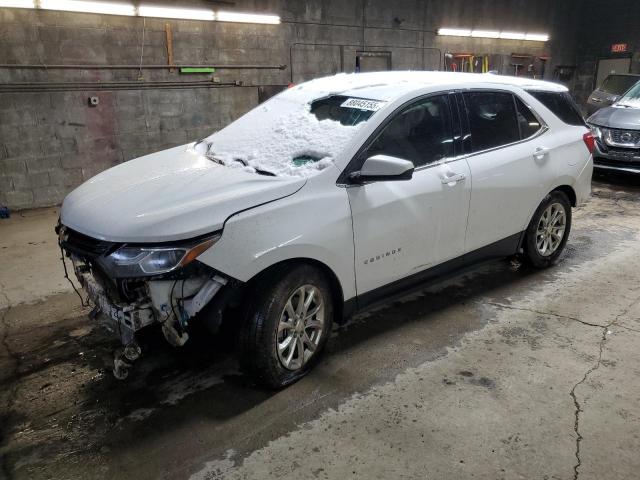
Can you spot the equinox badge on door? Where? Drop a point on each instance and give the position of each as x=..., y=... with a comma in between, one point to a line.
x=377, y=258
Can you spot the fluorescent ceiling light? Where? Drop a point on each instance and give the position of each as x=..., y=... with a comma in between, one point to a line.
x=485, y=34
x=537, y=37
x=512, y=35
x=89, y=7
x=181, y=13
x=129, y=9
x=455, y=32
x=247, y=18
x=459, y=32
x=17, y=3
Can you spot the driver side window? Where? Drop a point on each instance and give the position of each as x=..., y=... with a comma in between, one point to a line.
x=421, y=133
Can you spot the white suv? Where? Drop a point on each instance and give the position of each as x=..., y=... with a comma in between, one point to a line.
x=333, y=195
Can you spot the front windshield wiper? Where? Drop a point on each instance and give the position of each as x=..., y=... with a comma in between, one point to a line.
x=264, y=172
x=258, y=170
x=212, y=156
x=208, y=153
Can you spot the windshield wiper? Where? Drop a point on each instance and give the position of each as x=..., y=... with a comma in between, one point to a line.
x=258, y=170
x=208, y=153
x=264, y=172
x=212, y=156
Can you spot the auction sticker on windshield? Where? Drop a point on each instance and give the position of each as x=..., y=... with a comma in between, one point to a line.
x=362, y=104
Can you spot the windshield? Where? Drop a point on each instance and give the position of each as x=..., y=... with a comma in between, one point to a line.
x=618, y=84
x=291, y=134
x=631, y=98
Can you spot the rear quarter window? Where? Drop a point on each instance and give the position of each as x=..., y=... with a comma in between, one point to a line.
x=562, y=105
x=527, y=121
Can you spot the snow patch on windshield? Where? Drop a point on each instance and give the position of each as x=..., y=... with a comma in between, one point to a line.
x=273, y=135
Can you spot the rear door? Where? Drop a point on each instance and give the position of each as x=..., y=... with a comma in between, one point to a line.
x=509, y=164
x=401, y=228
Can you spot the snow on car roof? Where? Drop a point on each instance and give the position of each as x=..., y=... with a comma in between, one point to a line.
x=388, y=86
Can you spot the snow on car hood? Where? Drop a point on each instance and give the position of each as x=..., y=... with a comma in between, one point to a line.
x=170, y=195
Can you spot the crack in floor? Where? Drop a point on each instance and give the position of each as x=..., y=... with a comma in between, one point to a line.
x=578, y=408
x=540, y=312
x=627, y=328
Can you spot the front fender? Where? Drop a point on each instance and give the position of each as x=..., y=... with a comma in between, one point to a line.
x=312, y=225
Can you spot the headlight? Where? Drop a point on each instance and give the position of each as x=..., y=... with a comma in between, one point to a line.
x=597, y=131
x=141, y=261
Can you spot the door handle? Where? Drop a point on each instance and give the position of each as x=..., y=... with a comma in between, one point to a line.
x=596, y=100
x=540, y=152
x=453, y=178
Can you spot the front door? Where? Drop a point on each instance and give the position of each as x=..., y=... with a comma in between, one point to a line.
x=402, y=228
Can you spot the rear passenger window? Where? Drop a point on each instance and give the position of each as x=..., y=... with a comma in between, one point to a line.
x=492, y=119
x=527, y=121
x=562, y=105
x=421, y=133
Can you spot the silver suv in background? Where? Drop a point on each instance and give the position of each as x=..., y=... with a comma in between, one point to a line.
x=617, y=133
x=613, y=87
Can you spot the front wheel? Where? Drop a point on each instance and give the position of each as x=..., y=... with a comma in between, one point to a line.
x=287, y=324
x=548, y=231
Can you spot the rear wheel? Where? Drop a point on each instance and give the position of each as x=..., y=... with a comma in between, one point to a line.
x=286, y=326
x=548, y=231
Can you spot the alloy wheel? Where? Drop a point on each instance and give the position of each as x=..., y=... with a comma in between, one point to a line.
x=551, y=229
x=300, y=327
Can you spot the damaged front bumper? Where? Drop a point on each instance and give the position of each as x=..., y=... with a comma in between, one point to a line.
x=124, y=320
x=171, y=303
x=127, y=305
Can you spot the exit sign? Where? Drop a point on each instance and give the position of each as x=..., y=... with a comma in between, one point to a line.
x=619, y=47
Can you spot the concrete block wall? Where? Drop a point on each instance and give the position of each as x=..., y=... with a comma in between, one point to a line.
x=51, y=141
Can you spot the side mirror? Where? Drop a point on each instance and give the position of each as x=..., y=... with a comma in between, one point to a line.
x=383, y=168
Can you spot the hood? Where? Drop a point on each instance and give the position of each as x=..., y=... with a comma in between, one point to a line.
x=171, y=195
x=617, y=117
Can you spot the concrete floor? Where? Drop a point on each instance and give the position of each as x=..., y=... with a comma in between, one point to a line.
x=504, y=373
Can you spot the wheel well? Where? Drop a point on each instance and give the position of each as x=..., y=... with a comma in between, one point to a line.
x=336, y=288
x=569, y=192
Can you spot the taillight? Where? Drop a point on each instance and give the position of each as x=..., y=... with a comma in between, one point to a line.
x=589, y=141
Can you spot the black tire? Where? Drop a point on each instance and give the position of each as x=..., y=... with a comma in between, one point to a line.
x=532, y=254
x=257, y=337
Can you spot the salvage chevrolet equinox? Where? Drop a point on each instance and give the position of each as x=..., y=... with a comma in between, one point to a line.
x=330, y=197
